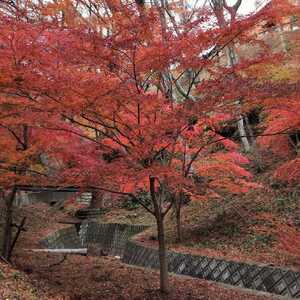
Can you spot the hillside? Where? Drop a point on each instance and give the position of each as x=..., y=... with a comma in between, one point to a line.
x=45, y=276
x=182, y=118
x=242, y=228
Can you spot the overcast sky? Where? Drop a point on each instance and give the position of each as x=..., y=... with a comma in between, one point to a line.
x=247, y=6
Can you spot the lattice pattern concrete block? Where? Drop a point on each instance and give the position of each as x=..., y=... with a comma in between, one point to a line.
x=115, y=240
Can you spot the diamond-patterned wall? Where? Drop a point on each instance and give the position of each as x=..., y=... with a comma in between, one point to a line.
x=114, y=239
x=110, y=238
x=262, y=278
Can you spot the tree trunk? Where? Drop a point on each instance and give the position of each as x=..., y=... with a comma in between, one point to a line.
x=178, y=225
x=159, y=216
x=282, y=39
x=163, y=263
x=232, y=59
x=178, y=204
x=19, y=230
x=7, y=236
x=243, y=134
x=249, y=129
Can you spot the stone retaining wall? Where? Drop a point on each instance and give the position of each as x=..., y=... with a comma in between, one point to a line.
x=110, y=238
x=257, y=277
x=50, y=197
x=66, y=238
x=114, y=239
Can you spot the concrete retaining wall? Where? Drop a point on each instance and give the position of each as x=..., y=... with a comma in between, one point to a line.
x=114, y=239
x=257, y=277
x=50, y=197
x=66, y=238
x=109, y=238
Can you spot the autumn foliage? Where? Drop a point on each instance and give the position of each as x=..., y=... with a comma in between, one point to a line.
x=110, y=97
x=114, y=96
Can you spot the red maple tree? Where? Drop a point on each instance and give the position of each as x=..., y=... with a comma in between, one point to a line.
x=124, y=97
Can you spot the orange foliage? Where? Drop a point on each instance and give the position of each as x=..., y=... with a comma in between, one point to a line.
x=97, y=89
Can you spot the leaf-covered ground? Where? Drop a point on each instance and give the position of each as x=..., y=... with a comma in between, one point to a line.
x=234, y=228
x=15, y=284
x=80, y=277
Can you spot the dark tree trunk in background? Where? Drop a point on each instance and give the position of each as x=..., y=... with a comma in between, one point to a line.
x=20, y=228
x=178, y=220
x=7, y=235
x=179, y=200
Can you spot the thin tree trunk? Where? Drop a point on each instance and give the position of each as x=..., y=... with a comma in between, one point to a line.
x=7, y=237
x=232, y=59
x=159, y=216
x=282, y=39
x=249, y=129
x=178, y=224
x=178, y=204
x=4, y=260
x=20, y=229
x=164, y=276
x=243, y=134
